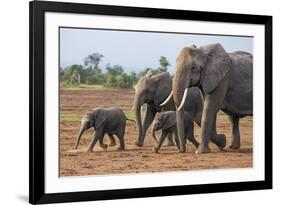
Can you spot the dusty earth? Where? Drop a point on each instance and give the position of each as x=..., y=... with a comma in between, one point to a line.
x=75, y=102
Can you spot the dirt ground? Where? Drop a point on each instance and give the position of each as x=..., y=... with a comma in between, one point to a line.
x=75, y=102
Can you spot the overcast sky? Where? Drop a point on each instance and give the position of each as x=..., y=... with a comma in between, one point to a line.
x=136, y=50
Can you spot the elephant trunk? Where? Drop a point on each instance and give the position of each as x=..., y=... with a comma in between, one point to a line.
x=82, y=129
x=180, y=92
x=137, y=108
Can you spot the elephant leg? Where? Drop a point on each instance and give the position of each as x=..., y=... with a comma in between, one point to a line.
x=190, y=135
x=180, y=130
x=206, y=131
x=161, y=140
x=148, y=119
x=208, y=124
x=93, y=142
x=212, y=103
x=120, y=136
x=112, y=140
x=102, y=145
x=218, y=139
x=170, y=141
x=177, y=140
x=194, y=142
x=235, y=142
x=122, y=143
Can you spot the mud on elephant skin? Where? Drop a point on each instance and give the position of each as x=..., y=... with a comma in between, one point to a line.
x=111, y=121
x=166, y=121
x=152, y=90
x=226, y=81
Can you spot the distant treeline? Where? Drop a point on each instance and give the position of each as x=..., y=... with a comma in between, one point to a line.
x=111, y=76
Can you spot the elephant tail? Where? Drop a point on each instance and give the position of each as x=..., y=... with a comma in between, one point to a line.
x=131, y=120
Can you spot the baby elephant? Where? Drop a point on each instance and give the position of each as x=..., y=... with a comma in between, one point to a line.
x=167, y=122
x=111, y=121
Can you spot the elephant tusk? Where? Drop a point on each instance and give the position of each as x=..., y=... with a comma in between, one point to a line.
x=202, y=96
x=183, y=99
x=167, y=99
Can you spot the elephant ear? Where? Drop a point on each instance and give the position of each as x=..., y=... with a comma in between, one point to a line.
x=148, y=73
x=170, y=121
x=100, y=118
x=163, y=87
x=217, y=65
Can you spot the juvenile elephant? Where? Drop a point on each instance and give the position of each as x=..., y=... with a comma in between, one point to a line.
x=166, y=121
x=153, y=90
x=226, y=81
x=111, y=121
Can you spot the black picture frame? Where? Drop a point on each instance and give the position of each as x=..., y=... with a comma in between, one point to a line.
x=37, y=10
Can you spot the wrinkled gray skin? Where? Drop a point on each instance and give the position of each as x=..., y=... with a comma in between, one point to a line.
x=226, y=81
x=166, y=121
x=111, y=121
x=153, y=90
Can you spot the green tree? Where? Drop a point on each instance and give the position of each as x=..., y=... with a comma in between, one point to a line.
x=133, y=79
x=114, y=70
x=164, y=64
x=61, y=71
x=123, y=81
x=92, y=61
x=71, y=75
x=120, y=79
x=110, y=81
x=75, y=78
x=113, y=77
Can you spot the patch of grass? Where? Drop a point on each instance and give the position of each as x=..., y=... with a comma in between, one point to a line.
x=89, y=87
x=64, y=117
x=69, y=118
x=83, y=86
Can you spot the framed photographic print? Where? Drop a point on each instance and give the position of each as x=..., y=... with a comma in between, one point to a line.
x=130, y=102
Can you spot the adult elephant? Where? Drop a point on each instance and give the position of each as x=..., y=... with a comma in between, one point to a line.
x=226, y=81
x=153, y=90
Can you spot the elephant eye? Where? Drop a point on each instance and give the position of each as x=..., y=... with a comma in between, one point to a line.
x=194, y=69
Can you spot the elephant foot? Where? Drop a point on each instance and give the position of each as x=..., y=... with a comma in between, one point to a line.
x=89, y=150
x=137, y=143
x=112, y=144
x=220, y=141
x=202, y=149
x=155, y=149
x=182, y=150
x=170, y=143
x=234, y=146
x=104, y=146
x=121, y=149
